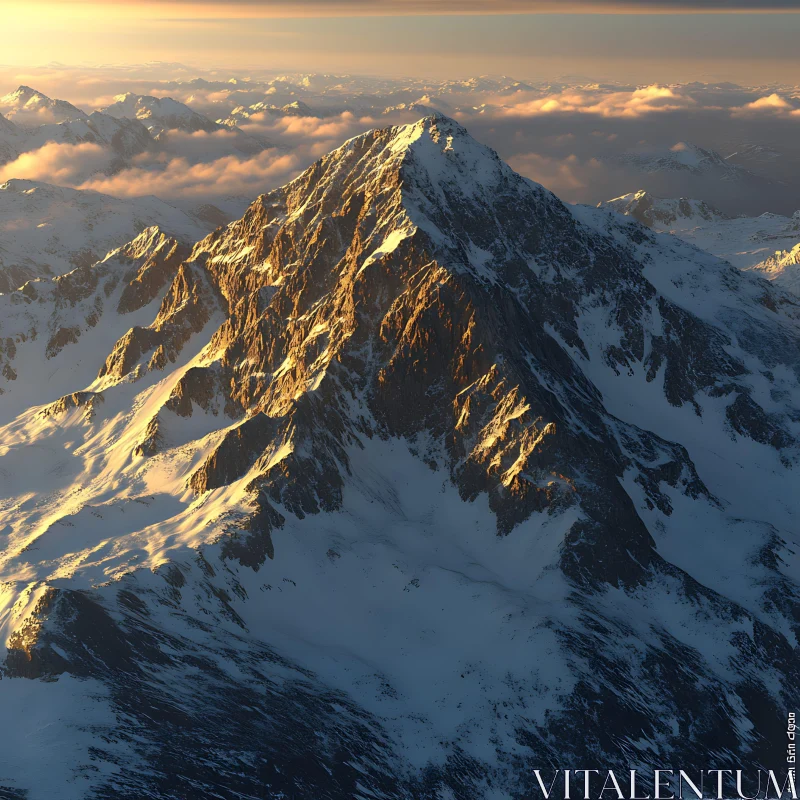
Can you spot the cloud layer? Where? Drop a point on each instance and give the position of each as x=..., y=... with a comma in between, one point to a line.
x=62, y=164
x=573, y=139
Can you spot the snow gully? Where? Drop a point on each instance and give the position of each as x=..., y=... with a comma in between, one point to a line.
x=668, y=784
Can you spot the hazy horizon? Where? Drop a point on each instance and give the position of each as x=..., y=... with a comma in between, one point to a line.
x=602, y=40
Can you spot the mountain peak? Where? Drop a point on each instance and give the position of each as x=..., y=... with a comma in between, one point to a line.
x=158, y=113
x=22, y=95
x=27, y=91
x=432, y=176
x=442, y=148
x=28, y=104
x=661, y=212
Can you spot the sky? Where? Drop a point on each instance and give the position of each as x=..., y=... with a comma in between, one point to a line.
x=608, y=79
x=633, y=40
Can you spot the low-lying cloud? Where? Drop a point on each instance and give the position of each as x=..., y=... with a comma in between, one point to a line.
x=646, y=100
x=574, y=140
x=62, y=164
x=178, y=178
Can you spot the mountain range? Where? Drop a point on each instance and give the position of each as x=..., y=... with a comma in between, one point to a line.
x=407, y=483
x=42, y=120
x=131, y=126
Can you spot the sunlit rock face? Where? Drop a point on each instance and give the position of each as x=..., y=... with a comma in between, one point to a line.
x=410, y=482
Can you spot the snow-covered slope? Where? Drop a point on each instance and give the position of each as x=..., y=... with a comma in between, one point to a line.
x=766, y=244
x=80, y=310
x=49, y=230
x=393, y=486
x=9, y=140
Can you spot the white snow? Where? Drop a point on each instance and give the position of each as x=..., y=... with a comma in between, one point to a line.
x=53, y=229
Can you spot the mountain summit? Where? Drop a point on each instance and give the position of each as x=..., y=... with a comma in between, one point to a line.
x=27, y=106
x=661, y=213
x=159, y=113
x=411, y=481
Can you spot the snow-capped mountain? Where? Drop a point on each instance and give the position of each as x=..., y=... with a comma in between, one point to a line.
x=42, y=120
x=410, y=482
x=424, y=105
x=761, y=159
x=123, y=137
x=159, y=113
x=49, y=230
x=28, y=107
x=297, y=108
x=241, y=114
x=662, y=213
x=682, y=157
x=163, y=114
x=485, y=83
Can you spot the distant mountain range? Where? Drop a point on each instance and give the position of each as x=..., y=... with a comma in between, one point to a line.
x=130, y=126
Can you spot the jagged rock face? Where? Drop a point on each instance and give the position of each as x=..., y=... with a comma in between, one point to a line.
x=784, y=268
x=445, y=427
x=427, y=292
x=48, y=317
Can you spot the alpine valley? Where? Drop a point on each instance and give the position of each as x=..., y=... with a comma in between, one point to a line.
x=410, y=482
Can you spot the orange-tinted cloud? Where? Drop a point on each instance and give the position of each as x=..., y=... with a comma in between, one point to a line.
x=567, y=177
x=178, y=178
x=63, y=164
x=649, y=99
x=316, y=136
x=771, y=104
